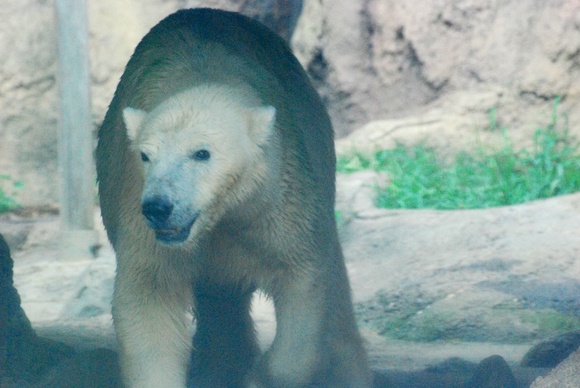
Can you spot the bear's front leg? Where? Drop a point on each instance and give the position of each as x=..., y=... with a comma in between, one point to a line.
x=294, y=355
x=317, y=342
x=152, y=330
x=225, y=344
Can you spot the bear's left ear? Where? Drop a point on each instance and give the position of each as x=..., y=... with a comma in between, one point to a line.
x=133, y=119
x=262, y=121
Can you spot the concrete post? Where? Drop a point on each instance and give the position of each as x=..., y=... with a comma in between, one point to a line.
x=75, y=137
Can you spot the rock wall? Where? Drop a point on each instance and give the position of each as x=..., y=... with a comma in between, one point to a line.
x=370, y=60
x=28, y=98
x=376, y=59
x=28, y=72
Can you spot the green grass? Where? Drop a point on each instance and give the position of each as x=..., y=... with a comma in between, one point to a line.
x=419, y=178
x=7, y=202
x=551, y=322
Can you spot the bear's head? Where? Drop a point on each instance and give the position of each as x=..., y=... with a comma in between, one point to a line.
x=202, y=152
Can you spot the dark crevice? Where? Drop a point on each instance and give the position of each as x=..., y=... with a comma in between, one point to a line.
x=474, y=75
x=574, y=58
x=400, y=33
x=413, y=57
x=530, y=94
x=368, y=30
x=448, y=23
x=280, y=16
x=41, y=84
x=417, y=64
x=318, y=67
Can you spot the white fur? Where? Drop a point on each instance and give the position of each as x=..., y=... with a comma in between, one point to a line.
x=215, y=118
x=212, y=118
x=133, y=119
x=258, y=213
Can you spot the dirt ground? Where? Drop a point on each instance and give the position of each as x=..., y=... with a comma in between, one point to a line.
x=435, y=292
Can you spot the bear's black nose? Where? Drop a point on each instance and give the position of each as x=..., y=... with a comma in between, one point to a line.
x=157, y=210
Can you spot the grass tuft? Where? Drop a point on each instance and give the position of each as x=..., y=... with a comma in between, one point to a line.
x=7, y=202
x=419, y=178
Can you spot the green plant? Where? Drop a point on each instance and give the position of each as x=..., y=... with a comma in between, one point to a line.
x=352, y=163
x=419, y=178
x=550, y=321
x=7, y=202
x=492, y=119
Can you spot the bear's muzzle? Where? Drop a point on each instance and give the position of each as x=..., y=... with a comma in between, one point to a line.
x=157, y=211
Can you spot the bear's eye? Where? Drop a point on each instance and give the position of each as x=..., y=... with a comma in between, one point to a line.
x=144, y=157
x=201, y=155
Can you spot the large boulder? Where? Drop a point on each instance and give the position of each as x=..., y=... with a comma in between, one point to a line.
x=566, y=374
x=27, y=359
x=24, y=357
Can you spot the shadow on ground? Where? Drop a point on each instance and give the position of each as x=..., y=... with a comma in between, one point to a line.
x=31, y=360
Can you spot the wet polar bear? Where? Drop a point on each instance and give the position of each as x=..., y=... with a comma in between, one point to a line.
x=216, y=173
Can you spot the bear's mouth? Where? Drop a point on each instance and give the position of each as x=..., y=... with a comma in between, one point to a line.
x=174, y=235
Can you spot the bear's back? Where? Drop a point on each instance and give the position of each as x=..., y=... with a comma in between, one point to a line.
x=205, y=45
x=197, y=46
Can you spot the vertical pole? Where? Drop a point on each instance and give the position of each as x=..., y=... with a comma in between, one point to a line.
x=75, y=137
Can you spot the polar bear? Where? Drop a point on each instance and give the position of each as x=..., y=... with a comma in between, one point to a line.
x=216, y=173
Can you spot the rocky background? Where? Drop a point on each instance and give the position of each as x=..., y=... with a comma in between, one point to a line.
x=452, y=72
x=413, y=69
x=466, y=298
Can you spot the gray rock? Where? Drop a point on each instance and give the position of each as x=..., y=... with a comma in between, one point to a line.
x=493, y=372
x=23, y=355
x=548, y=354
x=565, y=375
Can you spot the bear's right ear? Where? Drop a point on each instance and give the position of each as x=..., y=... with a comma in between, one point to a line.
x=133, y=119
x=262, y=121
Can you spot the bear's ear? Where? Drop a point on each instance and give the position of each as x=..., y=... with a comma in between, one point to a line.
x=133, y=119
x=261, y=123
